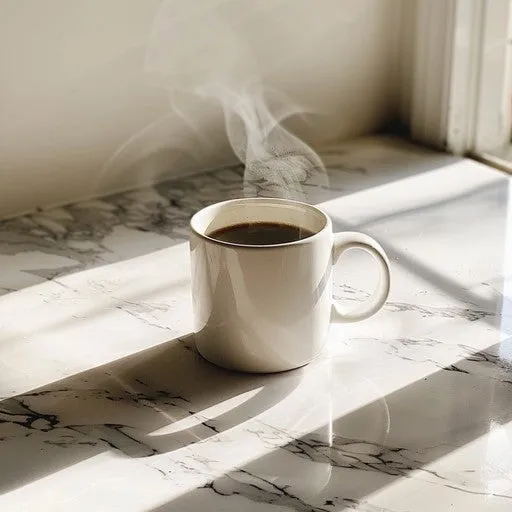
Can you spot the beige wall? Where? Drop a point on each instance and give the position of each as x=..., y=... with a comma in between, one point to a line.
x=83, y=112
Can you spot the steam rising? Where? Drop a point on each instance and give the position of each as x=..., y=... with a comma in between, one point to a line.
x=277, y=163
x=212, y=50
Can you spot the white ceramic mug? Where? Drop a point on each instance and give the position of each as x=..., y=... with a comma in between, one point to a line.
x=267, y=308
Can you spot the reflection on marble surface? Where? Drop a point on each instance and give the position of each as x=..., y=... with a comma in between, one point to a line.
x=107, y=406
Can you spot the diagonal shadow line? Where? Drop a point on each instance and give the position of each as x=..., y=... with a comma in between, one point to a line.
x=492, y=187
x=12, y=232
x=439, y=280
x=487, y=307
x=390, y=441
x=119, y=405
x=341, y=448
x=450, y=286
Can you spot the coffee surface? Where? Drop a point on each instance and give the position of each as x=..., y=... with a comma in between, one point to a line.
x=261, y=233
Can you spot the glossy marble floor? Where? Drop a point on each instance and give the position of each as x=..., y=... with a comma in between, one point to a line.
x=106, y=406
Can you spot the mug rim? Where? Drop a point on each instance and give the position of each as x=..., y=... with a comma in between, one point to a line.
x=269, y=200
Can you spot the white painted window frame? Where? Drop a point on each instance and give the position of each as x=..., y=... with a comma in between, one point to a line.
x=460, y=95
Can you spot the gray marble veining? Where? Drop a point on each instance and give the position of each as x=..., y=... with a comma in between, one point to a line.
x=107, y=406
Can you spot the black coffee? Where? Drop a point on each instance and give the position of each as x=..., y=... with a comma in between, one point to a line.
x=261, y=233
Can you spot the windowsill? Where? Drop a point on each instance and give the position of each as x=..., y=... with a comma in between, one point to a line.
x=90, y=284
x=500, y=158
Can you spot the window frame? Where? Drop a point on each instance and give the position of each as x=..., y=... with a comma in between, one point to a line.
x=460, y=96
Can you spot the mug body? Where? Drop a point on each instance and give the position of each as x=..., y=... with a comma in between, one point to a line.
x=261, y=308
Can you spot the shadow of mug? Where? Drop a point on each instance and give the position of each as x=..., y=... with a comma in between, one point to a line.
x=204, y=400
x=152, y=402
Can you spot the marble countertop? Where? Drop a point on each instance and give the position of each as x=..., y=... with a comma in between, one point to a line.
x=106, y=406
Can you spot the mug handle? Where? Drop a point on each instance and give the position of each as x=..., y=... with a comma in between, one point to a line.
x=352, y=240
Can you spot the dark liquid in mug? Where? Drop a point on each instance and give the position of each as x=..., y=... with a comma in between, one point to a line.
x=261, y=233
